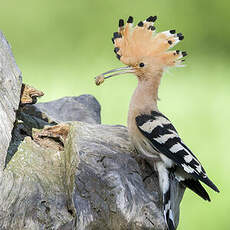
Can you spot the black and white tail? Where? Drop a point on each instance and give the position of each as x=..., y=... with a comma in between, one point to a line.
x=165, y=185
x=166, y=176
x=168, y=212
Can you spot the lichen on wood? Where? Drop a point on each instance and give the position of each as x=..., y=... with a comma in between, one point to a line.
x=29, y=94
x=38, y=183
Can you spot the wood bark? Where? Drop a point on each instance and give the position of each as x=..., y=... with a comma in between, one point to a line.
x=10, y=89
x=62, y=169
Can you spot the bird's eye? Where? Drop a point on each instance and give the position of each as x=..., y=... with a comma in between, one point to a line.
x=141, y=64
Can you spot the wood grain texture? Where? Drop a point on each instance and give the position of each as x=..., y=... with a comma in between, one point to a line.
x=78, y=176
x=10, y=89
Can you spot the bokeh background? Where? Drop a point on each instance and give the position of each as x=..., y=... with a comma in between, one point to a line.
x=61, y=45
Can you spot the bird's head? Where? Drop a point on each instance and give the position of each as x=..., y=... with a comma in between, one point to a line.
x=143, y=51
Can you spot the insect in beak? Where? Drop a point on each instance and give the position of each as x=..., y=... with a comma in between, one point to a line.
x=114, y=72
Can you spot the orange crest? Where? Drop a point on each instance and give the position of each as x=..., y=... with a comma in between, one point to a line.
x=134, y=43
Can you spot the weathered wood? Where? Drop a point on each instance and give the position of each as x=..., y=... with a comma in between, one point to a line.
x=10, y=89
x=37, y=184
x=86, y=174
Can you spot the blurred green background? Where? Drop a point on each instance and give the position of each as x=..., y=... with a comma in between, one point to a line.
x=61, y=45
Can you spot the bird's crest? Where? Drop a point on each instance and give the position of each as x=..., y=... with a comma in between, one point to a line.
x=133, y=43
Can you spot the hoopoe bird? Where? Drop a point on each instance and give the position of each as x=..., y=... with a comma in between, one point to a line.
x=146, y=55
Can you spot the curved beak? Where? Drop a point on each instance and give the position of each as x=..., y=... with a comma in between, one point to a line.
x=114, y=72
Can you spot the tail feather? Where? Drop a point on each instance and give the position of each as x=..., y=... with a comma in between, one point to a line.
x=196, y=187
x=164, y=182
x=168, y=213
x=170, y=224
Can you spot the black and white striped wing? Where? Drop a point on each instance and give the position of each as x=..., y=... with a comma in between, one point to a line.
x=164, y=137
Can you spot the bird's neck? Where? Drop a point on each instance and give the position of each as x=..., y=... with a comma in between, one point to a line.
x=144, y=99
x=145, y=96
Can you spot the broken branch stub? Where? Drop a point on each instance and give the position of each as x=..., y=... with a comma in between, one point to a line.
x=29, y=95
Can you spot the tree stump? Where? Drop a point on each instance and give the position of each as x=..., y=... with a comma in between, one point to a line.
x=61, y=169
